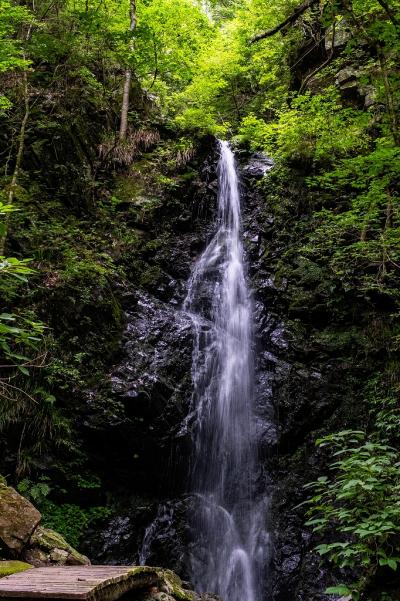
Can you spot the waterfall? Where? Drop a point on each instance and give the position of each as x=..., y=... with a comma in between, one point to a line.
x=231, y=544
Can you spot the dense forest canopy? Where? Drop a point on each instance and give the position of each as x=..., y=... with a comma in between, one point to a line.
x=315, y=85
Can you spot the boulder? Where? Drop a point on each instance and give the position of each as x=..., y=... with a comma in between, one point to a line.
x=47, y=547
x=258, y=165
x=370, y=96
x=164, y=585
x=341, y=37
x=159, y=596
x=345, y=75
x=18, y=519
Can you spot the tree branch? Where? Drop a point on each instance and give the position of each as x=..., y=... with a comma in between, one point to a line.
x=291, y=19
x=390, y=13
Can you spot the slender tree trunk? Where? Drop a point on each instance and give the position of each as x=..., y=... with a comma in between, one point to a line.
x=18, y=158
x=390, y=101
x=128, y=77
x=389, y=212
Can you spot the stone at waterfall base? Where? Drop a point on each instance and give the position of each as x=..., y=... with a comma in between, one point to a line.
x=23, y=538
x=48, y=548
x=18, y=519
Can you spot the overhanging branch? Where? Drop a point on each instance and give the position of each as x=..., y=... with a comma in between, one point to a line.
x=291, y=19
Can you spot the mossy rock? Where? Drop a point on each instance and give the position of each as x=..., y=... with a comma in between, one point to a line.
x=48, y=547
x=18, y=518
x=13, y=567
x=169, y=580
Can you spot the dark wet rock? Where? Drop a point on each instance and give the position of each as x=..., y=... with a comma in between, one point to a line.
x=117, y=541
x=137, y=417
x=257, y=165
x=291, y=564
x=157, y=359
x=168, y=536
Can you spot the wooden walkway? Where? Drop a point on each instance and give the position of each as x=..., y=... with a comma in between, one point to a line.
x=92, y=583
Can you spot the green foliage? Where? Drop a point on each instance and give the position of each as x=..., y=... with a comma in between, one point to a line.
x=361, y=501
x=31, y=414
x=341, y=590
x=169, y=36
x=366, y=232
x=207, y=104
x=11, y=16
x=87, y=203
x=19, y=334
x=11, y=51
x=36, y=492
x=70, y=520
x=315, y=128
x=17, y=268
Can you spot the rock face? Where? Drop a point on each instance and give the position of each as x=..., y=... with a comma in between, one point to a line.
x=300, y=383
x=152, y=381
x=258, y=165
x=18, y=519
x=338, y=38
x=153, y=377
x=150, y=389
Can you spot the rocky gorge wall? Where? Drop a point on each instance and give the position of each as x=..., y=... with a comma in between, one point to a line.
x=126, y=396
x=298, y=389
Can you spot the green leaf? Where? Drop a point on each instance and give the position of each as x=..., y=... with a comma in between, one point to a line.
x=340, y=590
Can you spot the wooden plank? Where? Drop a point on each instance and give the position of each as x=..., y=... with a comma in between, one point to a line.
x=86, y=583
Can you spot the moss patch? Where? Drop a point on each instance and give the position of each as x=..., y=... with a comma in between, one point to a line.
x=13, y=567
x=49, y=540
x=167, y=577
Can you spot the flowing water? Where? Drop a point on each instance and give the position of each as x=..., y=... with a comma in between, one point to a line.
x=231, y=542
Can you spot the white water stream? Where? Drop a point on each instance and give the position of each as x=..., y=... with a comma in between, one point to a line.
x=232, y=545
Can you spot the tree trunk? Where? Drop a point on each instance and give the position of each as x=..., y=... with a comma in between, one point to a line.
x=18, y=158
x=390, y=101
x=128, y=77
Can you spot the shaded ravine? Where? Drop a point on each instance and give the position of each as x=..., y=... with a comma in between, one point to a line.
x=229, y=521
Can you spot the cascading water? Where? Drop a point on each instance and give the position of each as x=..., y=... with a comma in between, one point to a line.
x=232, y=544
